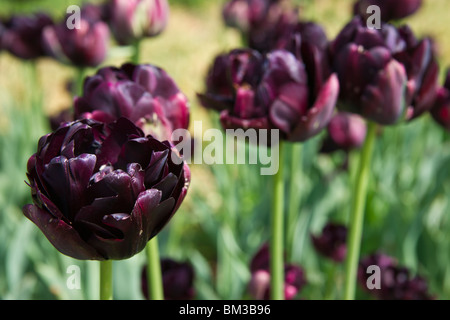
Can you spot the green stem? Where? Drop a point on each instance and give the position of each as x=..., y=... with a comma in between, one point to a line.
x=106, y=283
x=357, y=216
x=154, y=276
x=294, y=195
x=277, y=238
x=136, y=52
x=81, y=72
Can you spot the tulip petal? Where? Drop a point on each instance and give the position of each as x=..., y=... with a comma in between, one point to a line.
x=61, y=235
x=320, y=113
x=384, y=100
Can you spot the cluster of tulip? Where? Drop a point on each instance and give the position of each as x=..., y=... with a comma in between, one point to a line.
x=292, y=78
x=86, y=45
x=105, y=181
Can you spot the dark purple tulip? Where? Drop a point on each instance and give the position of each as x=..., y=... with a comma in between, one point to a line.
x=103, y=191
x=22, y=35
x=346, y=131
x=145, y=94
x=132, y=20
x=366, y=61
x=270, y=92
x=373, y=84
x=83, y=47
x=260, y=22
x=259, y=286
x=396, y=283
x=390, y=9
x=247, y=15
x=441, y=109
x=177, y=278
x=332, y=243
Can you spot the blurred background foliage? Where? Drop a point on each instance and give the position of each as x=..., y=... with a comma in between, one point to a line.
x=224, y=219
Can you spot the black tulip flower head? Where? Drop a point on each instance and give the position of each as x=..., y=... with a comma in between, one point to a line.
x=389, y=9
x=346, y=131
x=177, y=278
x=441, y=108
x=332, y=243
x=132, y=20
x=270, y=92
x=85, y=45
x=259, y=286
x=145, y=94
x=260, y=22
x=22, y=36
x=396, y=282
x=386, y=75
x=103, y=191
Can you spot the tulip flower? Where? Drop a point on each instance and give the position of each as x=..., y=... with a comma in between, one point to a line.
x=260, y=22
x=83, y=47
x=386, y=75
x=145, y=94
x=441, y=109
x=389, y=9
x=372, y=82
x=103, y=191
x=395, y=282
x=331, y=243
x=22, y=35
x=132, y=20
x=251, y=91
x=177, y=278
x=346, y=131
x=259, y=286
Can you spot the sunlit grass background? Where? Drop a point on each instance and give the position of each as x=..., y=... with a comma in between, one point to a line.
x=224, y=219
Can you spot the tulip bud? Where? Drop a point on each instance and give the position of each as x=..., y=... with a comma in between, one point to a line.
x=177, y=278
x=83, y=47
x=390, y=9
x=332, y=243
x=145, y=94
x=22, y=35
x=103, y=191
x=346, y=131
x=132, y=20
x=441, y=108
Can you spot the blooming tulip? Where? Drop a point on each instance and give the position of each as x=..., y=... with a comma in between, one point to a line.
x=272, y=92
x=145, y=94
x=83, y=47
x=103, y=191
x=22, y=35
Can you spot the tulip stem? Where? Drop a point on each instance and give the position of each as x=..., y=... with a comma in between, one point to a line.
x=294, y=195
x=356, y=222
x=154, y=275
x=79, y=81
x=106, y=283
x=277, y=236
x=136, y=52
